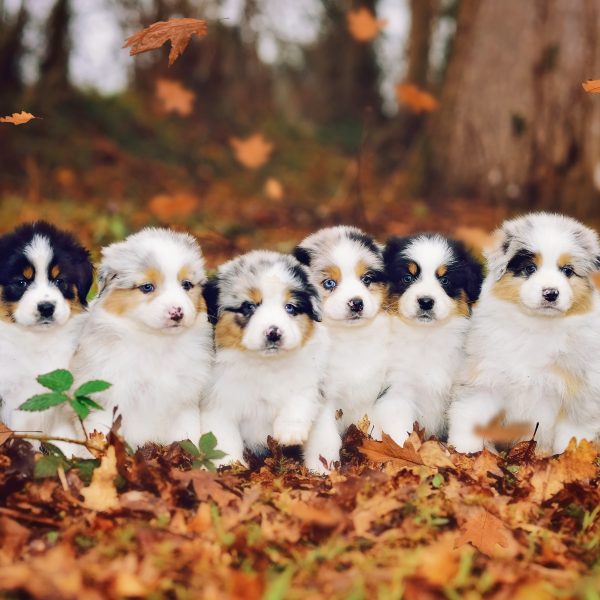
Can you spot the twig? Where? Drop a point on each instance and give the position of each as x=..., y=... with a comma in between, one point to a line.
x=48, y=438
x=85, y=433
x=26, y=517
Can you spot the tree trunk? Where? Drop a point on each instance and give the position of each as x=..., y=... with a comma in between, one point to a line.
x=514, y=122
x=11, y=52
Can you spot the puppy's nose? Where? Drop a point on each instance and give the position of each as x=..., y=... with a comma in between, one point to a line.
x=426, y=303
x=273, y=334
x=46, y=309
x=356, y=305
x=176, y=313
x=550, y=294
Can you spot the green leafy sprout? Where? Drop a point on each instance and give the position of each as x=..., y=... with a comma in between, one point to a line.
x=205, y=453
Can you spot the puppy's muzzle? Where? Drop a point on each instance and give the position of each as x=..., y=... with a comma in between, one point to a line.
x=46, y=310
x=176, y=313
x=273, y=337
x=550, y=294
x=356, y=306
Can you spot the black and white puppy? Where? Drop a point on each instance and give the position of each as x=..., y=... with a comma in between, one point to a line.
x=346, y=267
x=45, y=276
x=433, y=283
x=270, y=353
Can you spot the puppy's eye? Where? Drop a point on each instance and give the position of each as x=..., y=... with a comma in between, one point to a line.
x=329, y=284
x=367, y=279
x=568, y=271
x=444, y=280
x=291, y=309
x=58, y=281
x=146, y=288
x=187, y=285
x=248, y=309
x=22, y=283
x=407, y=279
x=529, y=269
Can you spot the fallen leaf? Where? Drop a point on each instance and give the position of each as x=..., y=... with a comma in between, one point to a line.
x=363, y=424
x=415, y=99
x=18, y=118
x=101, y=494
x=253, y=152
x=592, y=86
x=144, y=502
x=322, y=514
x=483, y=530
x=438, y=562
x=433, y=454
x=177, y=31
x=174, y=97
x=498, y=431
x=363, y=25
x=5, y=433
x=13, y=536
x=206, y=486
x=173, y=206
x=388, y=451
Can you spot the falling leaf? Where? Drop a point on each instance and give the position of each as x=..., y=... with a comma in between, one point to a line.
x=363, y=25
x=167, y=207
x=497, y=431
x=388, y=451
x=253, y=152
x=177, y=31
x=592, y=86
x=484, y=531
x=174, y=97
x=5, y=433
x=101, y=494
x=273, y=189
x=415, y=99
x=18, y=118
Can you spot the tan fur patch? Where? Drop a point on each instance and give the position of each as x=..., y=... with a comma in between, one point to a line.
x=307, y=327
x=55, y=272
x=508, y=288
x=228, y=332
x=441, y=270
x=120, y=301
x=151, y=275
x=582, y=296
x=6, y=310
x=184, y=273
x=572, y=382
x=198, y=299
x=28, y=272
x=360, y=269
x=255, y=296
x=461, y=305
x=412, y=268
x=565, y=259
x=332, y=272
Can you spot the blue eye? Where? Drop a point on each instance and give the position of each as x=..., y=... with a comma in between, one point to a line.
x=367, y=279
x=407, y=279
x=247, y=309
x=329, y=284
x=291, y=309
x=146, y=288
x=187, y=285
x=530, y=269
x=444, y=280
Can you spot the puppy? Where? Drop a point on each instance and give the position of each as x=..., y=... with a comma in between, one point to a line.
x=45, y=276
x=534, y=348
x=346, y=266
x=433, y=283
x=270, y=352
x=148, y=335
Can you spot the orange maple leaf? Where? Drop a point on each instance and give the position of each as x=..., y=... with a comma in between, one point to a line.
x=177, y=31
x=389, y=451
x=18, y=118
x=592, y=86
x=483, y=530
x=363, y=25
x=497, y=431
x=253, y=152
x=174, y=97
x=415, y=99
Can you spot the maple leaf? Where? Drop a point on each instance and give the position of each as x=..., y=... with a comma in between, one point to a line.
x=253, y=152
x=483, y=530
x=363, y=25
x=592, y=86
x=177, y=31
x=5, y=433
x=415, y=99
x=101, y=494
x=174, y=97
x=389, y=451
x=18, y=118
x=497, y=431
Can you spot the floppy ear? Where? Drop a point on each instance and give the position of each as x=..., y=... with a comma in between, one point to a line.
x=210, y=291
x=302, y=255
x=497, y=254
x=84, y=277
x=474, y=277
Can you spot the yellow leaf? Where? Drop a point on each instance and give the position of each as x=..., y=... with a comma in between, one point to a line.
x=101, y=494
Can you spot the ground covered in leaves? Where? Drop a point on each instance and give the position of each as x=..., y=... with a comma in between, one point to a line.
x=414, y=522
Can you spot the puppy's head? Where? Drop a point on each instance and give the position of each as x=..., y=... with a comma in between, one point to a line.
x=541, y=262
x=346, y=266
x=45, y=276
x=154, y=278
x=432, y=278
x=263, y=302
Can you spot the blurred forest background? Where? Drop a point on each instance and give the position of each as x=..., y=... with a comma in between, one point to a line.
x=395, y=115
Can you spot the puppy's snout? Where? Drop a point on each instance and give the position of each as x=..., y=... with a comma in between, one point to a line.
x=425, y=303
x=273, y=334
x=550, y=294
x=46, y=309
x=176, y=313
x=356, y=305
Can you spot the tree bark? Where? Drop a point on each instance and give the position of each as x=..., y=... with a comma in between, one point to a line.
x=514, y=122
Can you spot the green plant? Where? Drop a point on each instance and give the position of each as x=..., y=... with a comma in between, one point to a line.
x=205, y=453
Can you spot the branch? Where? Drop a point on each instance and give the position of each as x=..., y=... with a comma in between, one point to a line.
x=48, y=438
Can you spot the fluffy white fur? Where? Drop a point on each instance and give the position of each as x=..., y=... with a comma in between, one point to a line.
x=537, y=361
x=155, y=348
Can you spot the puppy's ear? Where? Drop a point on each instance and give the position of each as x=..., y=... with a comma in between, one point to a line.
x=210, y=291
x=115, y=260
x=499, y=252
x=84, y=277
x=302, y=255
x=315, y=305
x=473, y=277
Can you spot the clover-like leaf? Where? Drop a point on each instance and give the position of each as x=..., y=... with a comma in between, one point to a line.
x=45, y=401
x=58, y=381
x=91, y=387
x=189, y=447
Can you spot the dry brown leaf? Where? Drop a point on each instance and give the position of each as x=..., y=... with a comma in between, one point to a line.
x=253, y=152
x=388, y=451
x=13, y=536
x=322, y=514
x=497, y=431
x=173, y=206
x=439, y=561
x=483, y=530
x=101, y=494
x=174, y=97
x=485, y=463
x=177, y=31
x=592, y=86
x=18, y=118
x=5, y=433
x=363, y=25
x=434, y=454
x=363, y=424
x=206, y=486
x=415, y=99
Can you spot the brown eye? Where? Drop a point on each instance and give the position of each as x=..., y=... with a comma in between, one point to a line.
x=529, y=269
x=568, y=271
x=187, y=285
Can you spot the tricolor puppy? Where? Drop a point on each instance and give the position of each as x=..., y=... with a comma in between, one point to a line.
x=148, y=335
x=534, y=347
x=346, y=266
x=45, y=276
x=433, y=283
x=270, y=352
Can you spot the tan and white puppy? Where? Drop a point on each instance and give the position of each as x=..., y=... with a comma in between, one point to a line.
x=534, y=347
x=270, y=354
x=148, y=335
x=346, y=267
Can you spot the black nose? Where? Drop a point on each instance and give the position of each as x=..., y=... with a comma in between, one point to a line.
x=550, y=294
x=356, y=305
x=46, y=309
x=273, y=334
x=426, y=303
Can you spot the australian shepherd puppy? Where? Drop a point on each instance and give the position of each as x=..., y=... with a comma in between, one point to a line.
x=45, y=276
x=346, y=267
x=270, y=352
x=534, y=347
x=433, y=283
x=148, y=335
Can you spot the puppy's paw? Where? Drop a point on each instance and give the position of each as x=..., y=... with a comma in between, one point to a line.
x=290, y=433
x=467, y=443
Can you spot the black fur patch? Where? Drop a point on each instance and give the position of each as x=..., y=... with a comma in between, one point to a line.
x=210, y=292
x=366, y=241
x=519, y=263
x=302, y=255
